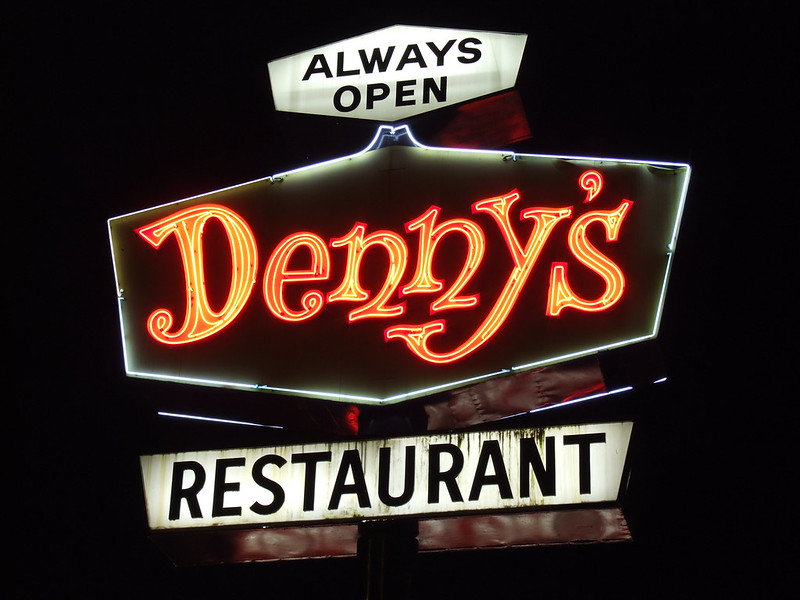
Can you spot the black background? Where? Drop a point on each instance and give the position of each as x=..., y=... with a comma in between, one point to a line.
x=122, y=107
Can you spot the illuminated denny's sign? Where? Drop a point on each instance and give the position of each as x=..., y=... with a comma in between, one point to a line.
x=397, y=272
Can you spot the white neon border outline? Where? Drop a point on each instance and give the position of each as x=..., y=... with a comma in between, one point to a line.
x=398, y=131
x=162, y=413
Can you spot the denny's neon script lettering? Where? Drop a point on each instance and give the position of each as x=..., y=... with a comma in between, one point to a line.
x=402, y=278
x=397, y=272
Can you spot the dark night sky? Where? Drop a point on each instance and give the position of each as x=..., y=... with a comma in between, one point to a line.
x=123, y=107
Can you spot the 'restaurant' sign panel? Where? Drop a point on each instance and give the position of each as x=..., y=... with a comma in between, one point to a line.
x=475, y=471
x=397, y=272
x=396, y=72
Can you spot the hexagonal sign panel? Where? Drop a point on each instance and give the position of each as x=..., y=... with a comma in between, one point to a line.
x=397, y=272
x=396, y=72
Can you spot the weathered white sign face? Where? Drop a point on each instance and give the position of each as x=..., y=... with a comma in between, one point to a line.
x=394, y=73
x=444, y=473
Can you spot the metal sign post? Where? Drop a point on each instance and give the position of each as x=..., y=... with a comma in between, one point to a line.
x=387, y=549
x=387, y=552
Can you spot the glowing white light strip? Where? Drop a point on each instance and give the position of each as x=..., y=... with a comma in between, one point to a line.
x=379, y=134
x=277, y=176
x=582, y=353
x=451, y=385
x=120, y=298
x=568, y=402
x=216, y=420
x=316, y=394
x=663, y=296
x=388, y=399
x=681, y=204
x=518, y=155
x=195, y=380
x=586, y=398
x=320, y=394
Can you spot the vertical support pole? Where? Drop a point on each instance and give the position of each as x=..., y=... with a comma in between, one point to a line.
x=387, y=549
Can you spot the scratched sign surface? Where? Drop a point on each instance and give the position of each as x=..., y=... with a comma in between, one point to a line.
x=397, y=272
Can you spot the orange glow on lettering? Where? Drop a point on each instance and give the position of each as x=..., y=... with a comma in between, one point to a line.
x=202, y=321
x=592, y=183
x=545, y=219
x=350, y=289
x=278, y=273
x=429, y=236
x=560, y=295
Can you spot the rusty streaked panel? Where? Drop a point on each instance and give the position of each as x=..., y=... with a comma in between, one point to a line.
x=547, y=527
x=227, y=546
x=524, y=529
